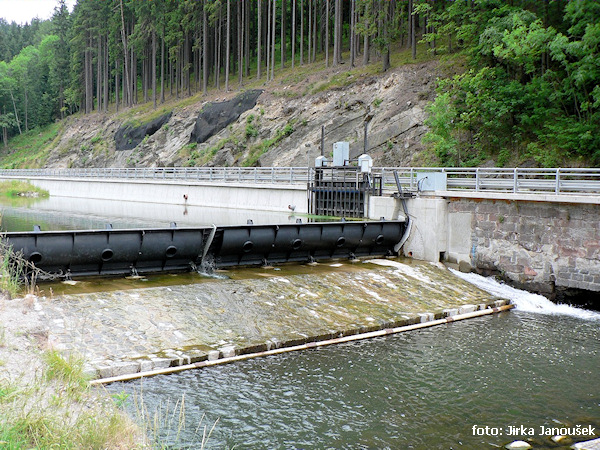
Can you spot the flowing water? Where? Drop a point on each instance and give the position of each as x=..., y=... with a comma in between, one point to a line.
x=473, y=384
x=440, y=387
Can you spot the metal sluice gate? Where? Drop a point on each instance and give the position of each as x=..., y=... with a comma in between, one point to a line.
x=132, y=251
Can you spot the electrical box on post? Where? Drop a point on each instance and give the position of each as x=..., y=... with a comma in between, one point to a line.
x=365, y=163
x=431, y=181
x=341, y=154
x=321, y=161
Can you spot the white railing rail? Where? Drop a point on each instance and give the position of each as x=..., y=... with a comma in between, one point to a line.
x=507, y=180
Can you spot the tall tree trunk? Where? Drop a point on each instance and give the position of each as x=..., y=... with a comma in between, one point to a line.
x=125, y=53
x=219, y=47
x=293, y=37
x=301, y=32
x=134, y=84
x=12, y=97
x=352, y=32
x=106, y=75
x=246, y=14
x=188, y=64
x=204, y=50
x=388, y=20
x=283, y=32
x=240, y=44
x=227, y=45
x=154, y=68
x=327, y=36
x=340, y=29
x=273, y=39
x=162, y=66
x=99, y=76
x=268, y=39
x=89, y=80
x=413, y=33
x=308, y=56
x=145, y=75
x=258, y=40
x=314, y=56
x=117, y=84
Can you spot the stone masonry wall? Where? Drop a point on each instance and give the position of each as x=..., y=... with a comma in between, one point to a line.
x=545, y=247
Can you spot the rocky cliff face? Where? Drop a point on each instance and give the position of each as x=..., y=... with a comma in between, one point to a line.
x=282, y=129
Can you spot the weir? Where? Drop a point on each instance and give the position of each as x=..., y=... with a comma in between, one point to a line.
x=132, y=251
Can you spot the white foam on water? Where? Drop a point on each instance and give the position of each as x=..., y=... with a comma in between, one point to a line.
x=405, y=269
x=523, y=300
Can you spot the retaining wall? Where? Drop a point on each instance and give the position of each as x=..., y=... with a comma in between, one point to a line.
x=545, y=247
x=266, y=197
x=550, y=246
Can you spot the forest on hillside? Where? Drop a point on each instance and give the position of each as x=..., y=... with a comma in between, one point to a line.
x=527, y=83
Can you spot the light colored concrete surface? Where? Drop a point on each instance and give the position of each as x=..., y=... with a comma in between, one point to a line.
x=459, y=237
x=429, y=234
x=266, y=197
x=522, y=196
x=128, y=331
x=389, y=208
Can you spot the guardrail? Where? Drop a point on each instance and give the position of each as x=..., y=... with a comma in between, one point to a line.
x=514, y=180
x=276, y=175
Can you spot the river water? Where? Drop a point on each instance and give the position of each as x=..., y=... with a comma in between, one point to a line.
x=64, y=213
x=473, y=384
x=516, y=372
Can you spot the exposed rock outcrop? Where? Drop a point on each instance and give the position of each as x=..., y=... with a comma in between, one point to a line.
x=216, y=116
x=128, y=137
x=277, y=126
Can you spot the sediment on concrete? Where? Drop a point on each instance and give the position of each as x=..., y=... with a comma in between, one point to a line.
x=230, y=355
x=131, y=331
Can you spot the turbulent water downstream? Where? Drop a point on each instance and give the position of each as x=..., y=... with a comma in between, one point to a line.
x=534, y=367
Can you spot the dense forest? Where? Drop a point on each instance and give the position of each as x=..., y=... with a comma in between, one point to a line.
x=527, y=80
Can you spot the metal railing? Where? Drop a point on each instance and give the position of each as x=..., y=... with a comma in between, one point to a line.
x=502, y=180
x=514, y=180
x=275, y=175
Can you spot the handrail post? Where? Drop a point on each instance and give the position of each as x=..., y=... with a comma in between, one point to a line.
x=557, y=187
x=477, y=179
x=515, y=181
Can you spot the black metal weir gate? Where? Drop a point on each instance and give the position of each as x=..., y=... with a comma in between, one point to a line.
x=133, y=251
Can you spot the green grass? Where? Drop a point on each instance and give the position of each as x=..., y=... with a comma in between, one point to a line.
x=31, y=149
x=14, y=188
x=256, y=151
x=12, y=269
x=59, y=411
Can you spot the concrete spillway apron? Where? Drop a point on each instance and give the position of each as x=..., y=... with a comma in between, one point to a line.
x=354, y=337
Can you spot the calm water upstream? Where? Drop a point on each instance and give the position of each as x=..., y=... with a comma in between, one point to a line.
x=63, y=213
x=535, y=366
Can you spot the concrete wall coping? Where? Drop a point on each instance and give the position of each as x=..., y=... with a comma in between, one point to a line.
x=552, y=198
x=229, y=184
